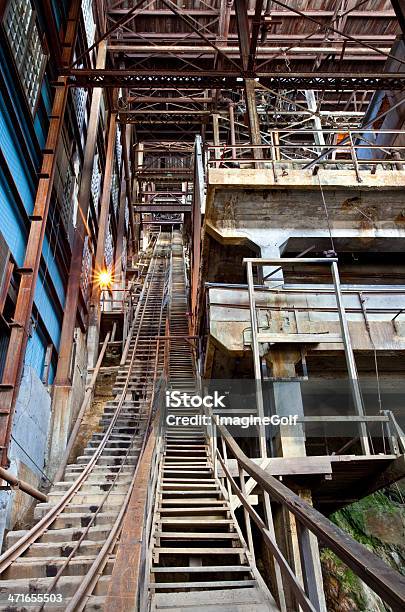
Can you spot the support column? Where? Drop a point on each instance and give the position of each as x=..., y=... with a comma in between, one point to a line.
x=29, y=272
x=304, y=560
x=136, y=191
x=253, y=117
x=93, y=331
x=119, y=280
x=215, y=134
x=232, y=129
x=61, y=400
x=312, y=106
x=287, y=401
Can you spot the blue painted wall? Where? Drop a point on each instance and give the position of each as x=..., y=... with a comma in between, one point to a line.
x=21, y=149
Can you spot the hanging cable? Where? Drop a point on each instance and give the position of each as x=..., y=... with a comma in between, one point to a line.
x=333, y=253
x=31, y=459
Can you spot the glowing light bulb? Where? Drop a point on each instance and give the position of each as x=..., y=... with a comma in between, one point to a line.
x=104, y=279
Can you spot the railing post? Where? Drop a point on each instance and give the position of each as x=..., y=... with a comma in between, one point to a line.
x=273, y=157
x=310, y=567
x=350, y=361
x=256, y=361
x=354, y=158
x=246, y=515
x=225, y=458
x=270, y=526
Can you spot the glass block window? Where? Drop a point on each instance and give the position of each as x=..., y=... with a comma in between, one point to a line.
x=23, y=36
x=79, y=101
x=126, y=215
x=67, y=199
x=109, y=249
x=115, y=191
x=88, y=19
x=95, y=182
x=86, y=268
x=124, y=254
x=118, y=146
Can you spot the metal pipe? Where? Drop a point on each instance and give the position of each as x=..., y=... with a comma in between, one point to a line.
x=256, y=361
x=21, y=484
x=350, y=361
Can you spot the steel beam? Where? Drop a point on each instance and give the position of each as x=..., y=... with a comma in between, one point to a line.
x=399, y=8
x=163, y=208
x=206, y=79
x=242, y=23
x=254, y=38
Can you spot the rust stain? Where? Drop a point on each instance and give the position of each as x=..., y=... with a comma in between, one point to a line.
x=351, y=202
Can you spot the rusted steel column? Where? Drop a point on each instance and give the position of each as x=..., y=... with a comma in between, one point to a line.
x=61, y=410
x=73, y=288
x=104, y=205
x=126, y=149
x=253, y=118
x=94, y=314
x=29, y=272
x=119, y=247
x=232, y=129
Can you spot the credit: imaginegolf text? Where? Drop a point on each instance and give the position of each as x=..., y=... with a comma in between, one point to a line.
x=230, y=421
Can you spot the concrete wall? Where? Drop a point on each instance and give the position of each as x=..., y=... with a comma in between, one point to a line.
x=247, y=205
x=28, y=446
x=230, y=325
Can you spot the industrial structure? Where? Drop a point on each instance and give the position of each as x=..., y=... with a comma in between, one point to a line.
x=202, y=301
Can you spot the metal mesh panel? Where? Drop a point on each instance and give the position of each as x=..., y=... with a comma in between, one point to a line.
x=109, y=249
x=79, y=102
x=115, y=191
x=88, y=18
x=85, y=278
x=67, y=200
x=95, y=182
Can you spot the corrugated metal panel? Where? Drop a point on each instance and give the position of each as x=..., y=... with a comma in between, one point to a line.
x=4, y=339
x=35, y=353
x=15, y=161
x=53, y=271
x=4, y=258
x=46, y=307
x=11, y=223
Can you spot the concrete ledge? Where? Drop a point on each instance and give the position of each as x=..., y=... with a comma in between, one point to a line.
x=294, y=178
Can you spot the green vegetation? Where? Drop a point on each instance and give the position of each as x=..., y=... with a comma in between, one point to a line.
x=377, y=522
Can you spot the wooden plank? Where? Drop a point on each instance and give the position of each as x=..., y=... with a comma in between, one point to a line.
x=125, y=581
x=285, y=466
x=197, y=569
x=220, y=584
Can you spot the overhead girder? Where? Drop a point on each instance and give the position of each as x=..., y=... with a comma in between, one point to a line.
x=176, y=79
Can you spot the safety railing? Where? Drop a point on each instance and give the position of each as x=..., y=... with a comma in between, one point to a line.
x=312, y=529
x=361, y=150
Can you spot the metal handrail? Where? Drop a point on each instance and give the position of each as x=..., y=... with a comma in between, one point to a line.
x=382, y=579
x=278, y=152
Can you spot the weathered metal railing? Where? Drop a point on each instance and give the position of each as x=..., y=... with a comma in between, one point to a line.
x=312, y=529
x=357, y=150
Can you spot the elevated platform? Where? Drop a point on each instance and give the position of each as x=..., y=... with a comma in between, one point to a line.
x=336, y=480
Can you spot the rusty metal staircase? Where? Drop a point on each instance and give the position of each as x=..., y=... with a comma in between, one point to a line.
x=65, y=561
x=199, y=560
